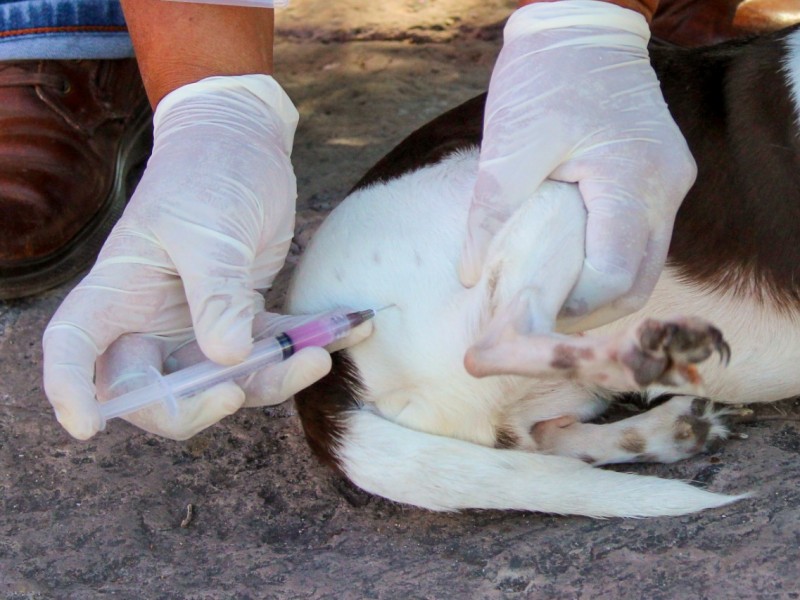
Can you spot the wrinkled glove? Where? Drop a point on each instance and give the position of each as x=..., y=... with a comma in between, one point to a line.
x=573, y=98
x=209, y=224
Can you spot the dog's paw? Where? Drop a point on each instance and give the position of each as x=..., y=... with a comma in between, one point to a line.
x=688, y=425
x=681, y=427
x=665, y=352
x=698, y=425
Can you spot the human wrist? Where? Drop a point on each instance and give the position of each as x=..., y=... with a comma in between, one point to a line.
x=625, y=27
x=180, y=43
x=646, y=8
x=258, y=98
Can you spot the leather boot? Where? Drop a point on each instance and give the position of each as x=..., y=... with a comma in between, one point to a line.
x=703, y=22
x=70, y=134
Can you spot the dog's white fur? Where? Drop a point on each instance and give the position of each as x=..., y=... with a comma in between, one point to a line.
x=792, y=67
x=424, y=432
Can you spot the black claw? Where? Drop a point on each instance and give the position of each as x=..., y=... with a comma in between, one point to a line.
x=724, y=351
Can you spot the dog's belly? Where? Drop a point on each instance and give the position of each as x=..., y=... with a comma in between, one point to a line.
x=398, y=243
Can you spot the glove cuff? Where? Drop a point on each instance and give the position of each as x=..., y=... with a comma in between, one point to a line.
x=544, y=16
x=261, y=92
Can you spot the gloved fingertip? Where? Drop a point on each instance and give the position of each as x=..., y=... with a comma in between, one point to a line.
x=358, y=335
x=74, y=405
x=228, y=398
x=69, y=356
x=81, y=427
x=308, y=366
x=596, y=288
x=314, y=362
x=467, y=274
x=222, y=312
x=575, y=306
x=600, y=298
x=207, y=409
x=362, y=332
x=473, y=252
x=470, y=266
x=227, y=345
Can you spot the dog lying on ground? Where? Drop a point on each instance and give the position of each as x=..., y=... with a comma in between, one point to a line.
x=401, y=416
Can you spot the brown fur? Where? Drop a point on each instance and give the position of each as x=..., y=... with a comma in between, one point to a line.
x=632, y=442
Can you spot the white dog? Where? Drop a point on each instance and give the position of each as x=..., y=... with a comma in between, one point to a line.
x=401, y=416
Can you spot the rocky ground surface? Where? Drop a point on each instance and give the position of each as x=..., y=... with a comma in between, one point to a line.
x=108, y=517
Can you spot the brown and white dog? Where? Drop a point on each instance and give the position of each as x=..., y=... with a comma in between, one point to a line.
x=401, y=416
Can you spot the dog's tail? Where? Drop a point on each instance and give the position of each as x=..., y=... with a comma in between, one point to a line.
x=446, y=474
x=442, y=473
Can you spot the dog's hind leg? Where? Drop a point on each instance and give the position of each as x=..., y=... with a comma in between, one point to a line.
x=652, y=351
x=679, y=428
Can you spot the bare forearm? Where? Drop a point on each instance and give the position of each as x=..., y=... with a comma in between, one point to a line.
x=178, y=43
x=645, y=7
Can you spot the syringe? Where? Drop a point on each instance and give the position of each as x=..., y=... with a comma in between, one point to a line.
x=168, y=389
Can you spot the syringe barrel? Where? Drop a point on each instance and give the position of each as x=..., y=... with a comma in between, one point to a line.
x=319, y=332
x=132, y=401
x=204, y=375
x=192, y=380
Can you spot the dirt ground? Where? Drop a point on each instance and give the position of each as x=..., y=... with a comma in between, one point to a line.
x=104, y=518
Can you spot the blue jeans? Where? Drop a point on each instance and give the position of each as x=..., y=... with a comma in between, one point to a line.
x=62, y=29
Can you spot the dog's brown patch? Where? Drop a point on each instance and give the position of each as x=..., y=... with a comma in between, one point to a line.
x=491, y=288
x=741, y=214
x=699, y=406
x=457, y=129
x=632, y=441
x=567, y=357
x=505, y=438
x=323, y=408
x=564, y=357
x=688, y=427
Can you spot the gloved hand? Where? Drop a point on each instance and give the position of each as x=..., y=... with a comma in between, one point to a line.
x=209, y=224
x=573, y=97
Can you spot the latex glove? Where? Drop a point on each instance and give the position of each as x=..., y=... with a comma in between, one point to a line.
x=573, y=97
x=209, y=224
x=124, y=367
